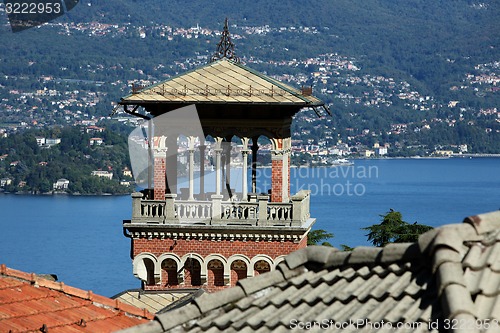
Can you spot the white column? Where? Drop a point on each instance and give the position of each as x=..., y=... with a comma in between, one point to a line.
x=150, y=156
x=227, y=166
x=285, y=190
x=191, y=167
x=255, y=148
x=244, y=176
x=202, y=148
x=286, y=173
x=218, y=152
x=171, y=164
x=244, y=153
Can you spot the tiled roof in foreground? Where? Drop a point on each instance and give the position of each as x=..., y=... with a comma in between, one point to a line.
x=30, y=303
x=450, y=279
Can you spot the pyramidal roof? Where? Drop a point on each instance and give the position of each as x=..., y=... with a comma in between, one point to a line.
x=222, y=82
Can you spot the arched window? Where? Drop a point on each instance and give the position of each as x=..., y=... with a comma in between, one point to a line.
x=238, y=270
x=260, y=267
x=192, y=268
x=144, y=268
x=215, y=273
x=149, y=266
x=260, y=147
x=169, y=272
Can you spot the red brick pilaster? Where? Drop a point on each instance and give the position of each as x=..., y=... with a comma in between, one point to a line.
x=159, y=178
x=277, y=179
x=280, y=177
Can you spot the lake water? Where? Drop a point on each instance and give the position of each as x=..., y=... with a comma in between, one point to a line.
x=80, y=238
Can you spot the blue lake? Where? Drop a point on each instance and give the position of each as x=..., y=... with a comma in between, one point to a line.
x=80, y=238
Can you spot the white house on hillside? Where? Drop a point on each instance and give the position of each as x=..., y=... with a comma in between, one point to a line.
x=105, y=174
x=61, y=184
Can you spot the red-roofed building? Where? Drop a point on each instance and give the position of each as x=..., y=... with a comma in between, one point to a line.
x=94, y=129
x=31, y=303
x=96, y=141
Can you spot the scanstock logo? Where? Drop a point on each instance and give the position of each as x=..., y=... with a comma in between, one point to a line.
x=26, y=14
x=176, y=139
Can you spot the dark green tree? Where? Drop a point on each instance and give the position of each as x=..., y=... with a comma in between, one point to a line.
x=318, y=237
x=346, y=248
x=393, y=229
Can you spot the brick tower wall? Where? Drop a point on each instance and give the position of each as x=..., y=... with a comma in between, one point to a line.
x=204, y=248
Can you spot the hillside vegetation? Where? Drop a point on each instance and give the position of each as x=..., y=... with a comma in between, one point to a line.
x=439, y=53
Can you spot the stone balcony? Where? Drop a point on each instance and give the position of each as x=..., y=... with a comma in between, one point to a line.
x=257, y=211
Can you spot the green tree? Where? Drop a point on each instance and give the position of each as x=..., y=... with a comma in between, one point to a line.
x=318, y=237
x=393, y=229
x=346, y=248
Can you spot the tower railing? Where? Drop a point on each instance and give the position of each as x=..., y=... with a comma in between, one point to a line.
x=257, y=212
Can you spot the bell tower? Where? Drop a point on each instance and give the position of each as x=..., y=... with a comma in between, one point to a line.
x=214, y=223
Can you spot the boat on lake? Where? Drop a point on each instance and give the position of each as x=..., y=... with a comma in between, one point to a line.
x=342, y=162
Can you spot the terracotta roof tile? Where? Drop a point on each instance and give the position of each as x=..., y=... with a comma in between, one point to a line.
x=28, y=302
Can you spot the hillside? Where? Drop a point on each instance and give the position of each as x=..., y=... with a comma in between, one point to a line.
x=29, y=166
x=414, y=37
x=423, y=63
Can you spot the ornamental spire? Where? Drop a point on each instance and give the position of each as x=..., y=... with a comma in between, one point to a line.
x=225, y=48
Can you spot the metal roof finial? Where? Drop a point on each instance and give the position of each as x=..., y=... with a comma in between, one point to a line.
x=225, y=48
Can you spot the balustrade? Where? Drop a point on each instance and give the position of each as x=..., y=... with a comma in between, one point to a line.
x=239, y=211
x=193, y=210
x=279, y=211
x=261, y=212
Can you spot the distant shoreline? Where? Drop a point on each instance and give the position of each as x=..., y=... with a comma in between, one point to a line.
x=379, y=158
x=65, y=194
x=429, y=157
x=462, y=156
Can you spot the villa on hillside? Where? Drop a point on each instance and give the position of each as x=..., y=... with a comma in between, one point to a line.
x=61, y=185
x=47, y=142
x=102, y=173
x=5, y=182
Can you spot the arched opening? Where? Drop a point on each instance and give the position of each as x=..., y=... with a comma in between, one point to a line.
x=279, y=260
x=261, y=267
x=238, y=271
x=215, y=273
x=182, y=167
x=231, y=162
x=144, y=268
x=205, y=186
x=192, y=268
x=260, y=147
x=169, y=272
x=149, y=267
